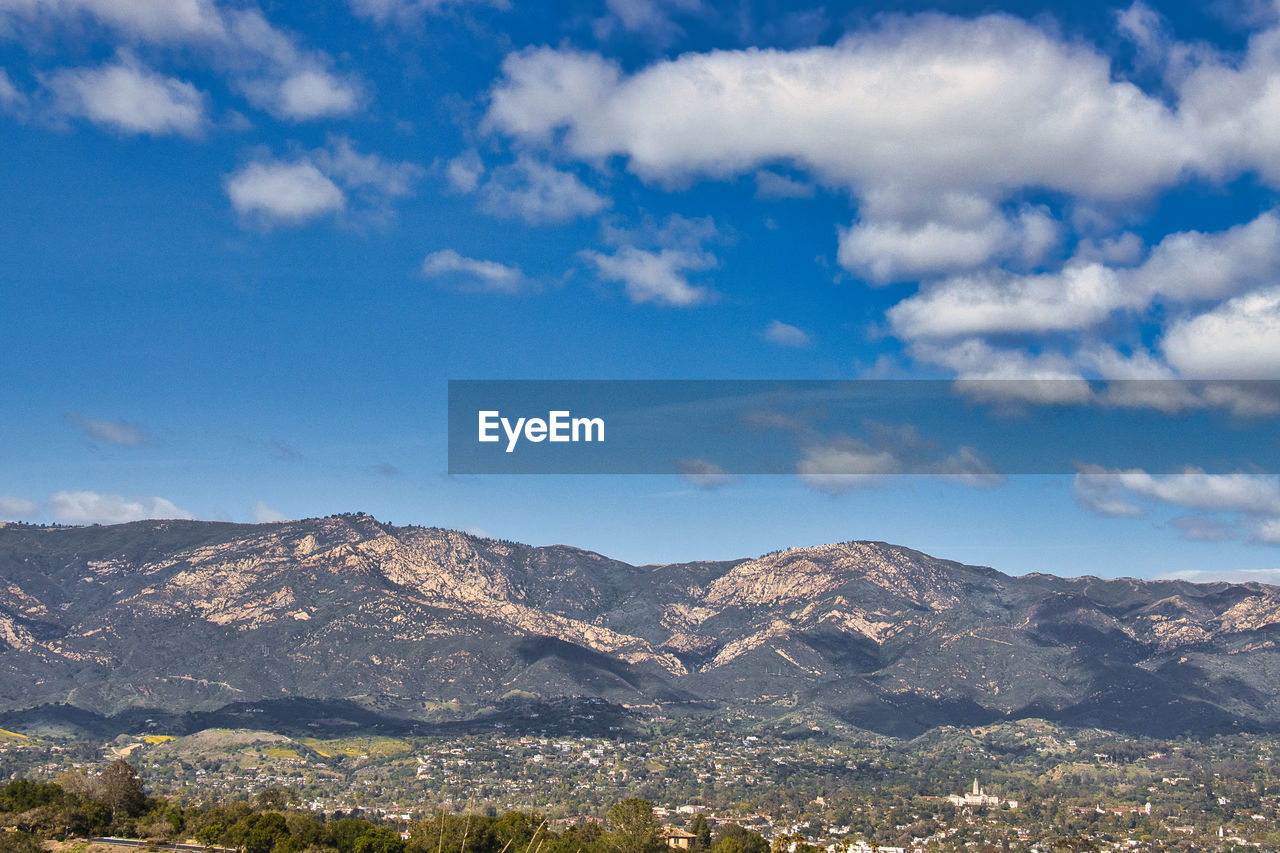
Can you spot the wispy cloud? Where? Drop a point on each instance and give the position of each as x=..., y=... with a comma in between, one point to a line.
x=18, y=509
x=786, y=335
x=265, y=514
x=471, y=274
x=111, y=432
x=538, y=193
x=838, y=464
x=268, y=64
x=1224, y=506
x=704, y=474
x=85, y=507
x=1268, y=576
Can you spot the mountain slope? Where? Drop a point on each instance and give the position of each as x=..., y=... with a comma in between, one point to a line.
x=191, y=616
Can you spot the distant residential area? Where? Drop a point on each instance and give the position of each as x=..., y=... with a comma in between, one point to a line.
x=1026, y=786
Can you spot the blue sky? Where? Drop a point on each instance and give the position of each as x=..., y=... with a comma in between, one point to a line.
x=244, y=246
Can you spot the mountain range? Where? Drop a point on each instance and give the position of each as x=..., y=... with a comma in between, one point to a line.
x=412, y=623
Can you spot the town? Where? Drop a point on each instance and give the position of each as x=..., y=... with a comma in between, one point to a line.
x=1022, y=786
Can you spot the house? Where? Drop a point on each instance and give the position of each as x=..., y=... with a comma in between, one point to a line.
x=678, y=839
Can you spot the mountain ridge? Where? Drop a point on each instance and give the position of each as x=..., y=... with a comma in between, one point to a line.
x=189, y=616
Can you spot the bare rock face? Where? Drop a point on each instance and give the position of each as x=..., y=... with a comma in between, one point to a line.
x=190, y=616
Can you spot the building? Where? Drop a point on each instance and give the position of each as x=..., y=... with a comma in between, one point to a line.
x=678, y=839
x=979, y=797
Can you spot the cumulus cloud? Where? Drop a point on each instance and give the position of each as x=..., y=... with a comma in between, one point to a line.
x=1239, y=339
x=1186, y=267
x=928, y=103
x=538, y=193
x=86, y=507
x=923, y=104
x=939, y=127
x=313, y=185
x=110, y=432
x=129, y=98
x=472, y=274
x=959, y=233
x=659, y=277
x=18, y=509
x=276, y=192
x=786, y=335
x=310, y=93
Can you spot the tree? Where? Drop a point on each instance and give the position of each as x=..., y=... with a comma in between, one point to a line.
x=732, y=838
x=702, y=833
x=121, y=789
x=635, y=829
x=274, y=798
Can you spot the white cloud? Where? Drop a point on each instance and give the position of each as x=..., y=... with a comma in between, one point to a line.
x=279, y=76
x=283, y=193
x=318, y=183
x=786, y=335
x=129, y=98
x=923, y=104
x=1239, y=339
x=959, y=233
x=538, y=193
x=976, y=359
x=111, y=432
x=476, y=275
x=1249, y=502
x=927, y=104
x=18, y=509
x=1079, y=296
x=264, y=514
x=657, y=277
x=1185, y=267
x=313, y=93
x=172, y=20
x=268, y=64
x=96, y=508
